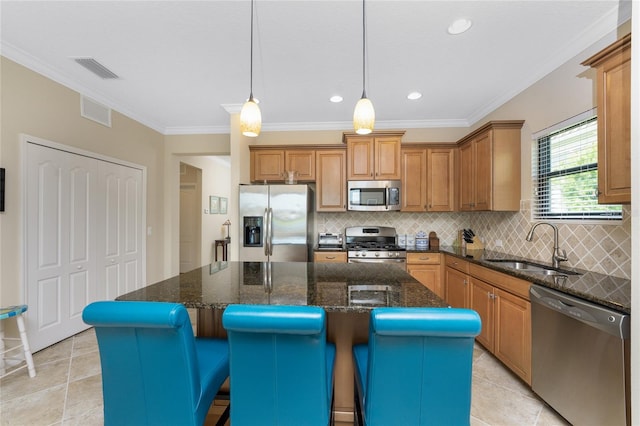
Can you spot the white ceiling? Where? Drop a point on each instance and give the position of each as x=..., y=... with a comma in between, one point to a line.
x=180, y=62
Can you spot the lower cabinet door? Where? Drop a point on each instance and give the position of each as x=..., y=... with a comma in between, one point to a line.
x=482, y=301
x=456, y=288
x=513, y=333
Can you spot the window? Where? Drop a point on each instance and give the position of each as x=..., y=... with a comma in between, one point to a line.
x=565, y=174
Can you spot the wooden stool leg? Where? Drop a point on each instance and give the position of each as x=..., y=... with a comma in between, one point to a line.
x=25, y=346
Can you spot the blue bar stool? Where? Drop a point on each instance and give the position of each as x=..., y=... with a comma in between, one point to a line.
x=15, y=312
x=154, y=372
x=281, y=366
x=416, y=367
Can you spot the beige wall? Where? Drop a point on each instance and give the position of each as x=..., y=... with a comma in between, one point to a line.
x=34, y=105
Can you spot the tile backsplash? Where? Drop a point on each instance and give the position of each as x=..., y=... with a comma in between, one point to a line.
x=605, y=249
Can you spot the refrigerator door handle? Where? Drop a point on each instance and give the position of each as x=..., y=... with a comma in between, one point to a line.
x=266, y=231
x=270, y=231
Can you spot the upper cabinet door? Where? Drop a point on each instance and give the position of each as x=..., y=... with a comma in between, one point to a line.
x=331, y=182
x=440, y=180
x=387, y=158
x=414, y=180
x=303, y=162
x=374, y=157
x=483, y=170
x=613, y=66
x=360, y=158
x=267, y=165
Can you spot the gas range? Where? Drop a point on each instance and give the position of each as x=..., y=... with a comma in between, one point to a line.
x=373, y=244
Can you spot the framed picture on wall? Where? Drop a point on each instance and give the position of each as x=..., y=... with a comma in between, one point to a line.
x=214, y=204
x=223, y=205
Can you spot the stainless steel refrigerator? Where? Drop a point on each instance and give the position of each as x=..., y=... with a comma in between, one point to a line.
x=276, y=223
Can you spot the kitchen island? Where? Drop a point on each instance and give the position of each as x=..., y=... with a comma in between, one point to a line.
x=347, y=292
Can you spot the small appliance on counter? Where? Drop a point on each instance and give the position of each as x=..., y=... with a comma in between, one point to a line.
x=329, y=241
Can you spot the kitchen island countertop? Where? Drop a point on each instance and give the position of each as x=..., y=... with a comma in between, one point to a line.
x=336, y=287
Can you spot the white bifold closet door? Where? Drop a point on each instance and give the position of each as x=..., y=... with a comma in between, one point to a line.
x=84, y=238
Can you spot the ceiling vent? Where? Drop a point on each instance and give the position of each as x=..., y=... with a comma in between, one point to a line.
x=94, y=111
x=97, y=68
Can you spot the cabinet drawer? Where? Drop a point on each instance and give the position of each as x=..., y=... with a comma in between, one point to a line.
x=498, y=279
x=331, y=256
x=423, y=258
x=457, y=263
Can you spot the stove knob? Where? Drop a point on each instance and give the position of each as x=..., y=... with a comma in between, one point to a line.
x=377, y=254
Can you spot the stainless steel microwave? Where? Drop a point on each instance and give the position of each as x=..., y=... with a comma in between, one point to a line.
x=374, y=195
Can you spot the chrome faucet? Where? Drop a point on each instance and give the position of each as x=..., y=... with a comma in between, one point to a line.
x=558, y=254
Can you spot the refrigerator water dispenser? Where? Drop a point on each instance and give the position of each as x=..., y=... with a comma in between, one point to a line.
x=252, y=231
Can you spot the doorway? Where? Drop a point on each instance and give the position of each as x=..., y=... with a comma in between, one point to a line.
x=190, y=223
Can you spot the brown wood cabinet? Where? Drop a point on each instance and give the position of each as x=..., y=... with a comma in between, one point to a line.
x=502, y=301
x=441, y=179
x=373, y=157
x=613, y=65
x=268, y=163
x=426, y=268
x=331, y=182
x=414, y=180
x=489, y=172
x=456, y=282
x=428, y=178
x=330, y=256
x=303, y=162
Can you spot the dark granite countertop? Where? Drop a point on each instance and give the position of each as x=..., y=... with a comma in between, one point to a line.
x=337, y=287
x=605, y=290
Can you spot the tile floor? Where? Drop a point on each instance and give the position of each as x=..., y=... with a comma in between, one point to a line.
x=68, y=391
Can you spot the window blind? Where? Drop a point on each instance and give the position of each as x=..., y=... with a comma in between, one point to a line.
x=565, y=173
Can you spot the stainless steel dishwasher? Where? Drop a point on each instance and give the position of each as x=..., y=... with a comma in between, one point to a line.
x=580, y=358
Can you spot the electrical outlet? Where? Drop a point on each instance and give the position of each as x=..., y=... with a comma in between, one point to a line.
x=498, y=243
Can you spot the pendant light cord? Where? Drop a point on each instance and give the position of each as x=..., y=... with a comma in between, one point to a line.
x=251, y=60
x=364, y=38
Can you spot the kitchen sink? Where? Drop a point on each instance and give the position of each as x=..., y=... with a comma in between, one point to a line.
x=534, y=268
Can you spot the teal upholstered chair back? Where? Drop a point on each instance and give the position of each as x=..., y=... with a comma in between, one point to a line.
x=153, y=371
x=280, y=363
x=416, y=368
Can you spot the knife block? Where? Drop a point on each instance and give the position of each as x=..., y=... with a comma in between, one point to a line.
x=476, y=245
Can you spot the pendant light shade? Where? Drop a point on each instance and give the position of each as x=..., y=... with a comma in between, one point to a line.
x=250, y=116
x=364, y=116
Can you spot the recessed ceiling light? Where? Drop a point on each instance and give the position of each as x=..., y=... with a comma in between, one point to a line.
x=459, y=26
x=336, y=99
x=414, y=95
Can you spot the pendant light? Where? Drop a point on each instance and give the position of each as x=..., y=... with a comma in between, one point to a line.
x=250, y=117
x=364, y=115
